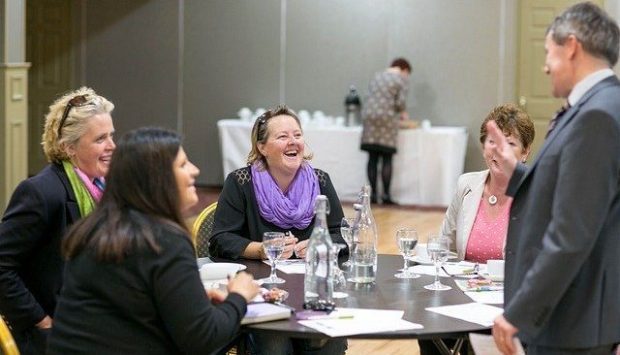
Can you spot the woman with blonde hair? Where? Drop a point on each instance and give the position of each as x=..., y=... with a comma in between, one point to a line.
x=77, y=141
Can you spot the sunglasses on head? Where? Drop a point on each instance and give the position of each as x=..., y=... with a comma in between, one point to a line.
x=77, y=101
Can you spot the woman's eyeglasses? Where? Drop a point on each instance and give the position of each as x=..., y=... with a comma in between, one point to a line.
x=77, y=101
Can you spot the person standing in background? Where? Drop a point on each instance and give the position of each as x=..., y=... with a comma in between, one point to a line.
x=78, y=143
x=384, y=108
x=562, y=278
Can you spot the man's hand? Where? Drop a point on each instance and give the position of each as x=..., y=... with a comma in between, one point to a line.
x=503, y=333
x=503, y=155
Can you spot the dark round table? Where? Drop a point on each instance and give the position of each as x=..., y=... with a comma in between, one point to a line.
x=387, y=292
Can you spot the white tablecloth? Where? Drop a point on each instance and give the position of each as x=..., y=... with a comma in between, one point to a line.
x=426, y=167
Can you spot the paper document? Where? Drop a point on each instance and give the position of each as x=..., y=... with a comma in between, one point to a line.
x=458, y=268
x=478, y=313
x=290, y=266
x=361, y=321
x=484, y=344
x=488, y=297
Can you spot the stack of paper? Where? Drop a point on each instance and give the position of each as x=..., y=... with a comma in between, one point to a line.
x=290, y=266
x=478, y=313
x=360, y=321
x=265, y=312
x=491, y=293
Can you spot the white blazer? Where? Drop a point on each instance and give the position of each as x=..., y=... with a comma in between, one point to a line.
x=463, y=209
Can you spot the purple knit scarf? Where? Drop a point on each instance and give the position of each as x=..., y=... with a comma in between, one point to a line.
x=293, y=209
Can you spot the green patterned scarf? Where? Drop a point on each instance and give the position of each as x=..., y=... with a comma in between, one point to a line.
x=85, y=201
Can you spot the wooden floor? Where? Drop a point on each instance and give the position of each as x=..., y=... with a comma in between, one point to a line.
x=425, y=221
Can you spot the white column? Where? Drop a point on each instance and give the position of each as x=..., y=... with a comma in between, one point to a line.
x=13, y=98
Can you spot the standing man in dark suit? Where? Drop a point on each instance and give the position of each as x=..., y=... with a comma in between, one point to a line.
x=562, y=293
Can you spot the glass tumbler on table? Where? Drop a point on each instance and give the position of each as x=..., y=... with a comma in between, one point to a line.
x=438, y=249
x=347, y=235
x=407, y=238
x=340, y=282
x=273, y=245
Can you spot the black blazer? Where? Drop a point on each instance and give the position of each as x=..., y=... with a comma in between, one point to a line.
x=238, y=221
x=32, y=227
x=562, y=264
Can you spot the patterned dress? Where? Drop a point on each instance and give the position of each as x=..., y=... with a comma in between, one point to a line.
x=386, y=100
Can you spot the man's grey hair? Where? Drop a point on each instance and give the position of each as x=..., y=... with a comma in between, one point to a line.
x=597, y=32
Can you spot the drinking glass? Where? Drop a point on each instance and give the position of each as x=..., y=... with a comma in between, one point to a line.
x=406, y=238
x=438, y=249
x=273, y=245
x=347, y=234
x=340, y=282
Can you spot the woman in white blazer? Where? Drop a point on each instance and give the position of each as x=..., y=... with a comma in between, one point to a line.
x=479, y=206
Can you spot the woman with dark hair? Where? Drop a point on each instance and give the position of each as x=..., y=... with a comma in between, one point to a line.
x=383, y=111
x=131, y=281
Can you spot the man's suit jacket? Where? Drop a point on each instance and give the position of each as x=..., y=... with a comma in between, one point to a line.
x=35, y=220
x=563, y=245
x=461, y=213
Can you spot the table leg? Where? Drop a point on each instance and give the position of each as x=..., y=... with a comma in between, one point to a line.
x=445, y=350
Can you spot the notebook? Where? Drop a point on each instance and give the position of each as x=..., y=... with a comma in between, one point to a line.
x=265, y=312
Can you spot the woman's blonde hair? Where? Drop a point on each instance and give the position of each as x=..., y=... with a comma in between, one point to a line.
x=260, y=132
x=55, y=139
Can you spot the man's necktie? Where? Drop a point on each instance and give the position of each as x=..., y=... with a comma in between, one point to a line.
x=556, y=118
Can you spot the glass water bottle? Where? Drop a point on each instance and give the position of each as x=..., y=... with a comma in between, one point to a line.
x=364, y=250
x=318, y=281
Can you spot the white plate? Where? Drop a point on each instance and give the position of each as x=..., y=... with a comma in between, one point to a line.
x=217, y=271
x=427, y=261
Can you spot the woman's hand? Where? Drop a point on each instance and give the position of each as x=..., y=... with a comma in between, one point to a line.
x=45, y=323
x=216, y=296
x=289, y=246
x=301, y=248
x=243, y=284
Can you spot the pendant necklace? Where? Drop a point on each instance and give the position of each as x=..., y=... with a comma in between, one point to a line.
x=492, y=200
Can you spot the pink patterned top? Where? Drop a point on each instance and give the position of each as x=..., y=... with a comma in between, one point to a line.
x=486, y=240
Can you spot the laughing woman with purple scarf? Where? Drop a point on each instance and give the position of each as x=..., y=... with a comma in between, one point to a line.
x=275, y=192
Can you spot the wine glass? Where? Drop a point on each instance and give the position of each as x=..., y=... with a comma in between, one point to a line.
x=347, y=234
x=438, y=248
x=407, y=238
x=273, y=245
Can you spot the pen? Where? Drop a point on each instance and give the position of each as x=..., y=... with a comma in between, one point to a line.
x=487, y=288
x=344, y=316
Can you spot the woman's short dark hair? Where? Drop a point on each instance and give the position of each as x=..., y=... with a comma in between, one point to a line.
x=511, y=120
x=141, y=191
x=402, y=63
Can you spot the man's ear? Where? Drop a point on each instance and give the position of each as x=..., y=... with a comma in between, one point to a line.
x=572, y=46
